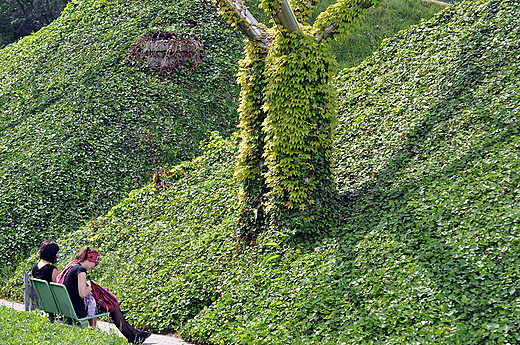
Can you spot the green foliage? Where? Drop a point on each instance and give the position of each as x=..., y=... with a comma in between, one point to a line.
x=380, y=22
x=179, y=240
x=81, y=125
x=428, y=247
x=427, y=158
x=303, y=9
x=17, y=327
x=287, y=119
x=251, y=169
x=350, y=11
x=427, y=163
x=21, y=18
x=298, y=131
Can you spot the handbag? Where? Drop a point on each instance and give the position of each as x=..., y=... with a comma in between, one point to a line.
x=104, y=297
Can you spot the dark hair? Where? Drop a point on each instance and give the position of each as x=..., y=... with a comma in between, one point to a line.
x=49, y=251
x=82, y=254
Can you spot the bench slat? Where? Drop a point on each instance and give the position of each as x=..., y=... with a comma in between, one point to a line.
x=47, y=301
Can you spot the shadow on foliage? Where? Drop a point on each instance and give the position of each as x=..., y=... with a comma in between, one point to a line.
x=471, y=279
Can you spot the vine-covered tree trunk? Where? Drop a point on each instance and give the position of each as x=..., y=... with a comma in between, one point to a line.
x=288, y=114
x=252, y=169
x=298, y=132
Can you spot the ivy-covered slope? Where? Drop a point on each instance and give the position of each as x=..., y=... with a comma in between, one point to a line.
x=81, y=124
x=428, y=249
x=427, y=160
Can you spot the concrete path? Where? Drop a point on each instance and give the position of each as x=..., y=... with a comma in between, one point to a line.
x=154, y=339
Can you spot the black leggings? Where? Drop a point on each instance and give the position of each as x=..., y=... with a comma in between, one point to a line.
x=119, y=320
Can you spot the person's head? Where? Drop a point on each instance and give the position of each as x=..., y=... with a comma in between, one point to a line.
x=88, y=257
x=49, y=251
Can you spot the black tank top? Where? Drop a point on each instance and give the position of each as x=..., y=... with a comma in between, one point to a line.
x=71, y=283
x=43, y=273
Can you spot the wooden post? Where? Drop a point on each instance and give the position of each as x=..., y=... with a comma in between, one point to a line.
x=26, y=297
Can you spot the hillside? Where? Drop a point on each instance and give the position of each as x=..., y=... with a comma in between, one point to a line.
x=429, y=182
x=82, y=123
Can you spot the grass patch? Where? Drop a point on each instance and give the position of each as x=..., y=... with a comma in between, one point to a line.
x=381, y=22
x=18, y=327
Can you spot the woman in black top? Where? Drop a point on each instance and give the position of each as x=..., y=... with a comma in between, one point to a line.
x=79, y=287
x=45, y=269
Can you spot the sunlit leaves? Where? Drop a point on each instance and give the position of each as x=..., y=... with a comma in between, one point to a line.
x=81, y=125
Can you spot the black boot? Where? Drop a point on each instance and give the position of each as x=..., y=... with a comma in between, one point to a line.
x=141, y=336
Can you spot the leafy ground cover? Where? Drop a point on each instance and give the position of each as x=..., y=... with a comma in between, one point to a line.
x=428, y=247
x=17, y=327
x=81, y=124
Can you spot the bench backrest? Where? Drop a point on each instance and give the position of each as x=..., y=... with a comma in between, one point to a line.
x=61, y=296
x=47, y=301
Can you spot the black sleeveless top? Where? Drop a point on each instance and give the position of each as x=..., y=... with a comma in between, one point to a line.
x=44, y=273
x=71, y=283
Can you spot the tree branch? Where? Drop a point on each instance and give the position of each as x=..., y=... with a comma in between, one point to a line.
x=331, y=29
x=249, y=25
x=286, y=18
x=327, y=32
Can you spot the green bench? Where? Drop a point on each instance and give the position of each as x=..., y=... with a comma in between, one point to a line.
x=55, y=300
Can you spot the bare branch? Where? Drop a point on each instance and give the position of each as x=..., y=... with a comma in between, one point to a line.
x=286, y=18
x=327, y=32
x=249, y=25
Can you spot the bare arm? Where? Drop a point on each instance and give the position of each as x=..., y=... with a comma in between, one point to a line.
x=55, y=273
x=83, y=288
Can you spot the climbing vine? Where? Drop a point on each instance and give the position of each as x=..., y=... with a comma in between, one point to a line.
x=288, y=114
x=251, y=169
